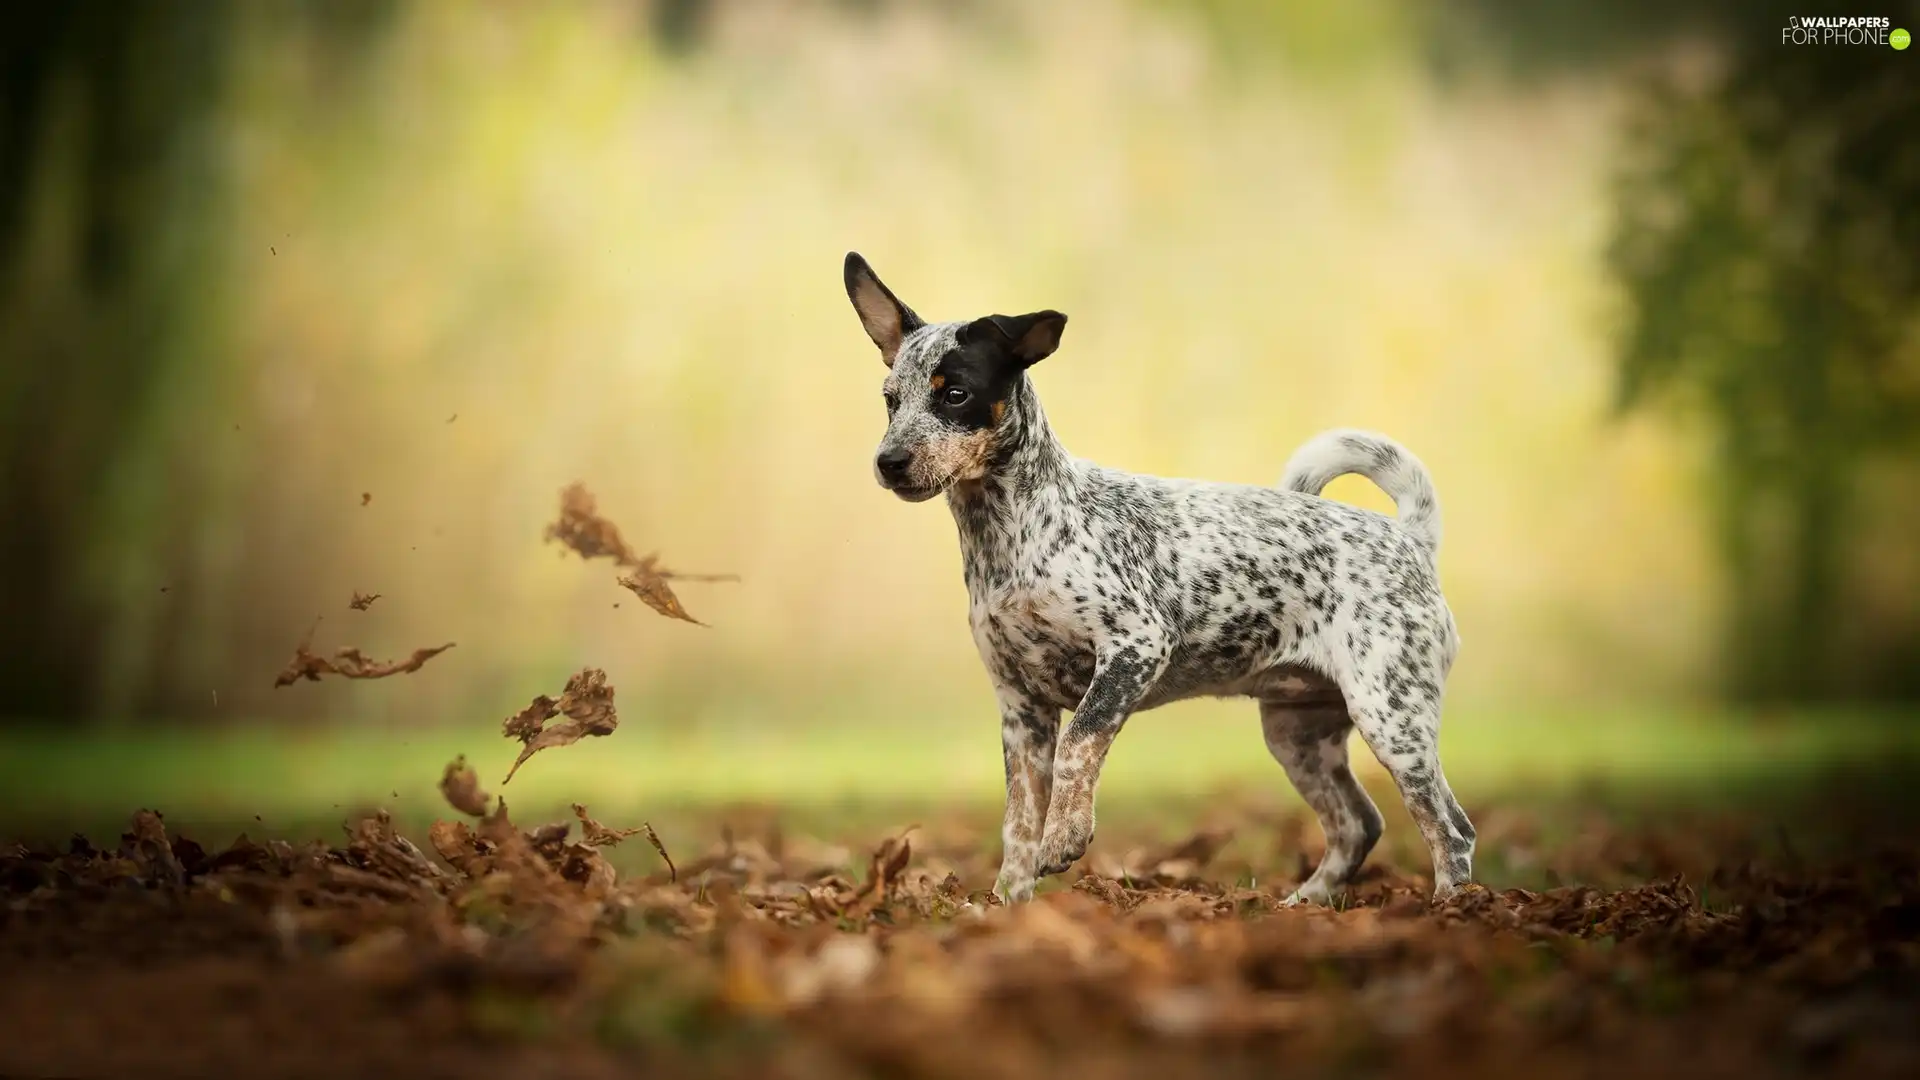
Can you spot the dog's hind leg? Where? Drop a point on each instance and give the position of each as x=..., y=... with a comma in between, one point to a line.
x=1402, y=728
x=1309, y=740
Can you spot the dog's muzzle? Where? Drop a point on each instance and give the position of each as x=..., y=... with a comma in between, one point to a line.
x=894, y=468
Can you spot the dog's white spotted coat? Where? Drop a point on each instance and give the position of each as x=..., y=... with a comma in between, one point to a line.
x=1108, y=593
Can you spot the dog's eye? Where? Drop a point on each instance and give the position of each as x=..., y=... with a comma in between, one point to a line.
x=955, y=396
x=892, y=399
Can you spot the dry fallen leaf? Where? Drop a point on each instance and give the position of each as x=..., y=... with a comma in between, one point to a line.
x=366, y=497
x=148, y=839
x=673, y=875
x=597, y=835
x=889, y=859
x=377, y=848
x=587, y=703
x=456, y=844
x=461, y=785
x=584, y=864
x=593, y=835
x=362, y=601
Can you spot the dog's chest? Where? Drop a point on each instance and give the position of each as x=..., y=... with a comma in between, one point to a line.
x=1037, y=635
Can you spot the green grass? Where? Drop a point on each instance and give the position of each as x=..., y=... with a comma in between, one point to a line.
x=820, y=764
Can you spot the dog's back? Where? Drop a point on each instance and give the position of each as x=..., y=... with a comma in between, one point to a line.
x=1254, y=586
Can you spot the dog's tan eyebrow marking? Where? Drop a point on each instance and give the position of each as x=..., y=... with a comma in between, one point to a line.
x=939, y=381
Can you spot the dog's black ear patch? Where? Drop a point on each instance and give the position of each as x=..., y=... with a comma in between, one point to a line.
x=886, y=319
x=1026, y=339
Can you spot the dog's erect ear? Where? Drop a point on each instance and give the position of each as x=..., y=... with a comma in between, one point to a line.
x=1027, y=339
x=888, y=321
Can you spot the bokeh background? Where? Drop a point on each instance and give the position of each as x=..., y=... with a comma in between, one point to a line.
x=304, y=299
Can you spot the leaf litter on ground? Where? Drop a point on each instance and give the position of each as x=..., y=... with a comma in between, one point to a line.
x=916, y=971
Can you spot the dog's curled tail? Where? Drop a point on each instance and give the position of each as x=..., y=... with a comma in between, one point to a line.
x=1393, y=467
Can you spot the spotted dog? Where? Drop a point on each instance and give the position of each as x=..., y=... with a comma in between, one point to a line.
x=1107, y=593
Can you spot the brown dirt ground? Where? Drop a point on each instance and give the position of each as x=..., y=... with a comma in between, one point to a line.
x=509, y=952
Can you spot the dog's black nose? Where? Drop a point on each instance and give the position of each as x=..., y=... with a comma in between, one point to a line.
x=893, y=464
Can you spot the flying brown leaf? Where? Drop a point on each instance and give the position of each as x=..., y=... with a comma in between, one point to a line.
x=349, y=663
x=461, y=785
x=650, y=585
x=581, y=528
x=362, y=601
x=366, y=497
x=526, y=724
x=587, y=702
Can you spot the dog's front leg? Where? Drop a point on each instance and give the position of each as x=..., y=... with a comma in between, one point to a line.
x=1120, y=680
x=1028, y=731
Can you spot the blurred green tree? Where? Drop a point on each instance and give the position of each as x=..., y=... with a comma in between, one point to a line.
x=97, y=97
x=111, y=225
x=1768, y=246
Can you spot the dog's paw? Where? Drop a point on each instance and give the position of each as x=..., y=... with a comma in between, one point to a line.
x=1013, y=888
x=1313, y=893
x=1064, y=844
x=1461, y=894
